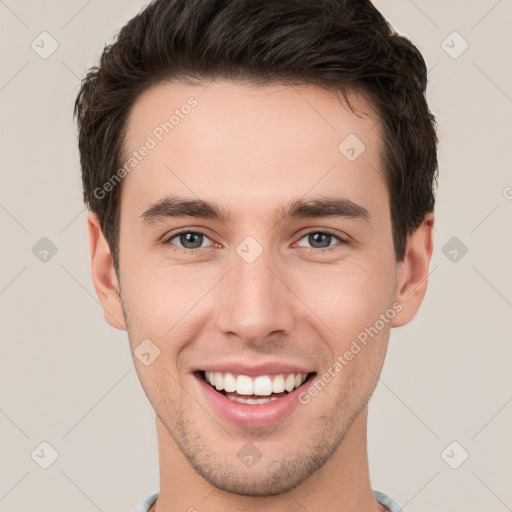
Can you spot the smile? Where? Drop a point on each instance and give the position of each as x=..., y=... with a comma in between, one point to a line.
x=259, y=386
x=252, y=401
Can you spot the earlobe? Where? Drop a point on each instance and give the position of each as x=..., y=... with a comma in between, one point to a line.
x=103, y=274
x=412, y=275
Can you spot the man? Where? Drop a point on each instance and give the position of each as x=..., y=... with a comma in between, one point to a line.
x=260, y=178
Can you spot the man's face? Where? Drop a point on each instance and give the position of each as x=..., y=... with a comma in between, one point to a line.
x=256, y=293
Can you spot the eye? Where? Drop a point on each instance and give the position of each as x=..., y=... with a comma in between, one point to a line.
x=321, y=240
x=189, y=239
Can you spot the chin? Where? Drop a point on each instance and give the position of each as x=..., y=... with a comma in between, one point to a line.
x=271, y=475
x=281, y=477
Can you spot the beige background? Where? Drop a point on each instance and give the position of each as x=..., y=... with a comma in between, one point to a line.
x=66, y=376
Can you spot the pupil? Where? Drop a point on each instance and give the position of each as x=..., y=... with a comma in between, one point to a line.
x=314, y=239
x=186, y=238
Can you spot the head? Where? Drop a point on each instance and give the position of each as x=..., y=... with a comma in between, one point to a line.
x=276, y=121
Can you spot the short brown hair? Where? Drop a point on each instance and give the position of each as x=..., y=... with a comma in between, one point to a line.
x=338, y=45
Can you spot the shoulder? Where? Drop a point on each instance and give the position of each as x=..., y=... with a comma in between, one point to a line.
x=144, y=505
x=389, y=503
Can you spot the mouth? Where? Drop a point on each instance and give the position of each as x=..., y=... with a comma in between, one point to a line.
x=254, y=390
x=253, y=401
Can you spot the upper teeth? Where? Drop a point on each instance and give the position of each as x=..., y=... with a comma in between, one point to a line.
x=263, y=385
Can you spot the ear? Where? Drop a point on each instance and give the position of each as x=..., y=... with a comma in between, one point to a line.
x=412, y=275
x=103, y=274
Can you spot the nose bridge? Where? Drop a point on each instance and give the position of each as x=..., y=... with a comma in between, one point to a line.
x=253, y=302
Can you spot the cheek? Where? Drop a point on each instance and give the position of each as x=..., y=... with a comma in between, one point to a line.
x=345, y=299
x=337, y=299
x=169, y=306
x=159, y=298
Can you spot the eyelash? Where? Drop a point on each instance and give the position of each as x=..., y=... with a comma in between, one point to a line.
x=199, y=232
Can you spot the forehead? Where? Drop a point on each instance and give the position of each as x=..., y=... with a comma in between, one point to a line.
x=249, y=145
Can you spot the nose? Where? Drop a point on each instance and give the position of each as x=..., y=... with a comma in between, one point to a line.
x=253, y=300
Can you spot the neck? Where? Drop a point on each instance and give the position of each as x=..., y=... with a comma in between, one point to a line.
x=341, y=484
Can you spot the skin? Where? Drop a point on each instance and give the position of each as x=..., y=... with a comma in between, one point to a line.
x=251, y=150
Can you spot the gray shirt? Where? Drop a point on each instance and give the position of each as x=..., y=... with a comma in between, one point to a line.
x=382, y=498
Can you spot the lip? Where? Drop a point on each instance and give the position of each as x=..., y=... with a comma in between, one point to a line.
x=270, y=368
x=247, y=415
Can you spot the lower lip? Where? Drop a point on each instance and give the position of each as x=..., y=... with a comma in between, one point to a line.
x=251, y=415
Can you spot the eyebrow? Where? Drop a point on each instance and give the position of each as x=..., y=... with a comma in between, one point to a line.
x=176, y=206
x=322, y=207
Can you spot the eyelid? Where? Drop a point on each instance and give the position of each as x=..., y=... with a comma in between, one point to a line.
x=167, y=238
x=325, y=231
